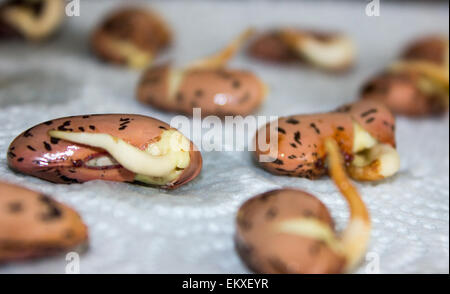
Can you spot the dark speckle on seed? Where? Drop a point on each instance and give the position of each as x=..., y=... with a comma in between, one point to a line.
x=278, y=162
x=368, y=121
x=199, y=93
x=236, y=84
x=15, y=207
x=53, y=211
x=28, y=133
x=307, y=213
x=64, y=125
x=297, y=137
x=368, y=112
x=69, y=180
x=292, y=121
x=223, y=74
x=271, y=213
x=68, y=234
x=244, y=224
x=313, y=125
x=47, y=146
x=278, y=265
x=54, y=141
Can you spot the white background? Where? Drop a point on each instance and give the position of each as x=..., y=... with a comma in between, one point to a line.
x=136, y=229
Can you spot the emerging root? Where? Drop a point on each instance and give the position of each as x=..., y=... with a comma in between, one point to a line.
x=436, y=73
x=221, y=58
x=355, y=238
x=334, y=54
x=311, y=228
x=376, y=163
x=434, y=78
x=213, y=62
x=135, y=57
x=35, y=27
x=160, y=163
x=372, y=161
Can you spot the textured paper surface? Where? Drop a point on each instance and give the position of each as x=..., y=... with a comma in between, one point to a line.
x=136, y=229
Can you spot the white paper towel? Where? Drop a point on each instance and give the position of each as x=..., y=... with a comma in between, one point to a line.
x=136, y=229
